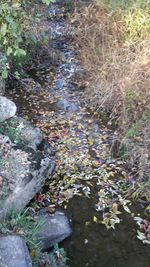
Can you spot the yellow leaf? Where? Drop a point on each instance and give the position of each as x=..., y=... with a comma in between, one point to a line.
x=33, y=253
x=95, y=219
x=111, y=174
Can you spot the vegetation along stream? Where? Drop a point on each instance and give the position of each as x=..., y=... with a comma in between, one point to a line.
x=88, y=184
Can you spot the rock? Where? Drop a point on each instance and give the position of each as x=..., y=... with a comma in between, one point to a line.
x=55, y=228
x=14, y=252
x=7, y=108
x=28, y=135
x=23, y=173
x=22, y=132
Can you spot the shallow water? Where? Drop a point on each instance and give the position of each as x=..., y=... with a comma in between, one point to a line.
x=54, y=104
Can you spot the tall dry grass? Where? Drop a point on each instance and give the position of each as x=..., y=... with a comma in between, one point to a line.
x=114, y=46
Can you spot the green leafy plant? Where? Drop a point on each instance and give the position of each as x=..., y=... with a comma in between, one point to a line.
x=16, y=31
x=12, y=130
x=11, y=32
x=58, y=257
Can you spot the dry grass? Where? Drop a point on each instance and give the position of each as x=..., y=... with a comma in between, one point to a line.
x=114, y=46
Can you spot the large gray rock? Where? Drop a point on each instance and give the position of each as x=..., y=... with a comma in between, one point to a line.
x=14, y=252
x=22, y=175
x=55, y=228
x=7, y=108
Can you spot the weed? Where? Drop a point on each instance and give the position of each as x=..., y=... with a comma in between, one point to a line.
x=123, y=151
x=131, y=99
x=58, y=257
x=134, y=130
x=114, y=42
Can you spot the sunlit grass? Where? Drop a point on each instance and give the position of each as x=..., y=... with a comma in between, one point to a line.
x=134, y=15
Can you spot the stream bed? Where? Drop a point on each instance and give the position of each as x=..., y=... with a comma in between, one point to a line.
x=87, y=181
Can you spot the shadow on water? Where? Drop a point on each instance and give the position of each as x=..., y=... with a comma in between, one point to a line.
x=90, y=245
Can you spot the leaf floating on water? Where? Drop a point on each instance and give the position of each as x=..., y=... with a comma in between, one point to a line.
x=86, y=241
x=87, y=223
x=115, y=207
x=95, y=219
x=86, y=191
x=148, y=207
x=126, y=208
x=140, y=235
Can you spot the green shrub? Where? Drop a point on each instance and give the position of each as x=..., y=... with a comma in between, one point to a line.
x=16, y=30
x=11, y=32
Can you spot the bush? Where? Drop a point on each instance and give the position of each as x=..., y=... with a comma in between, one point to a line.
x=17, y=30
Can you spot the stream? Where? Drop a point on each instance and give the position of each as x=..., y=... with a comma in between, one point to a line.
x=79, y=143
